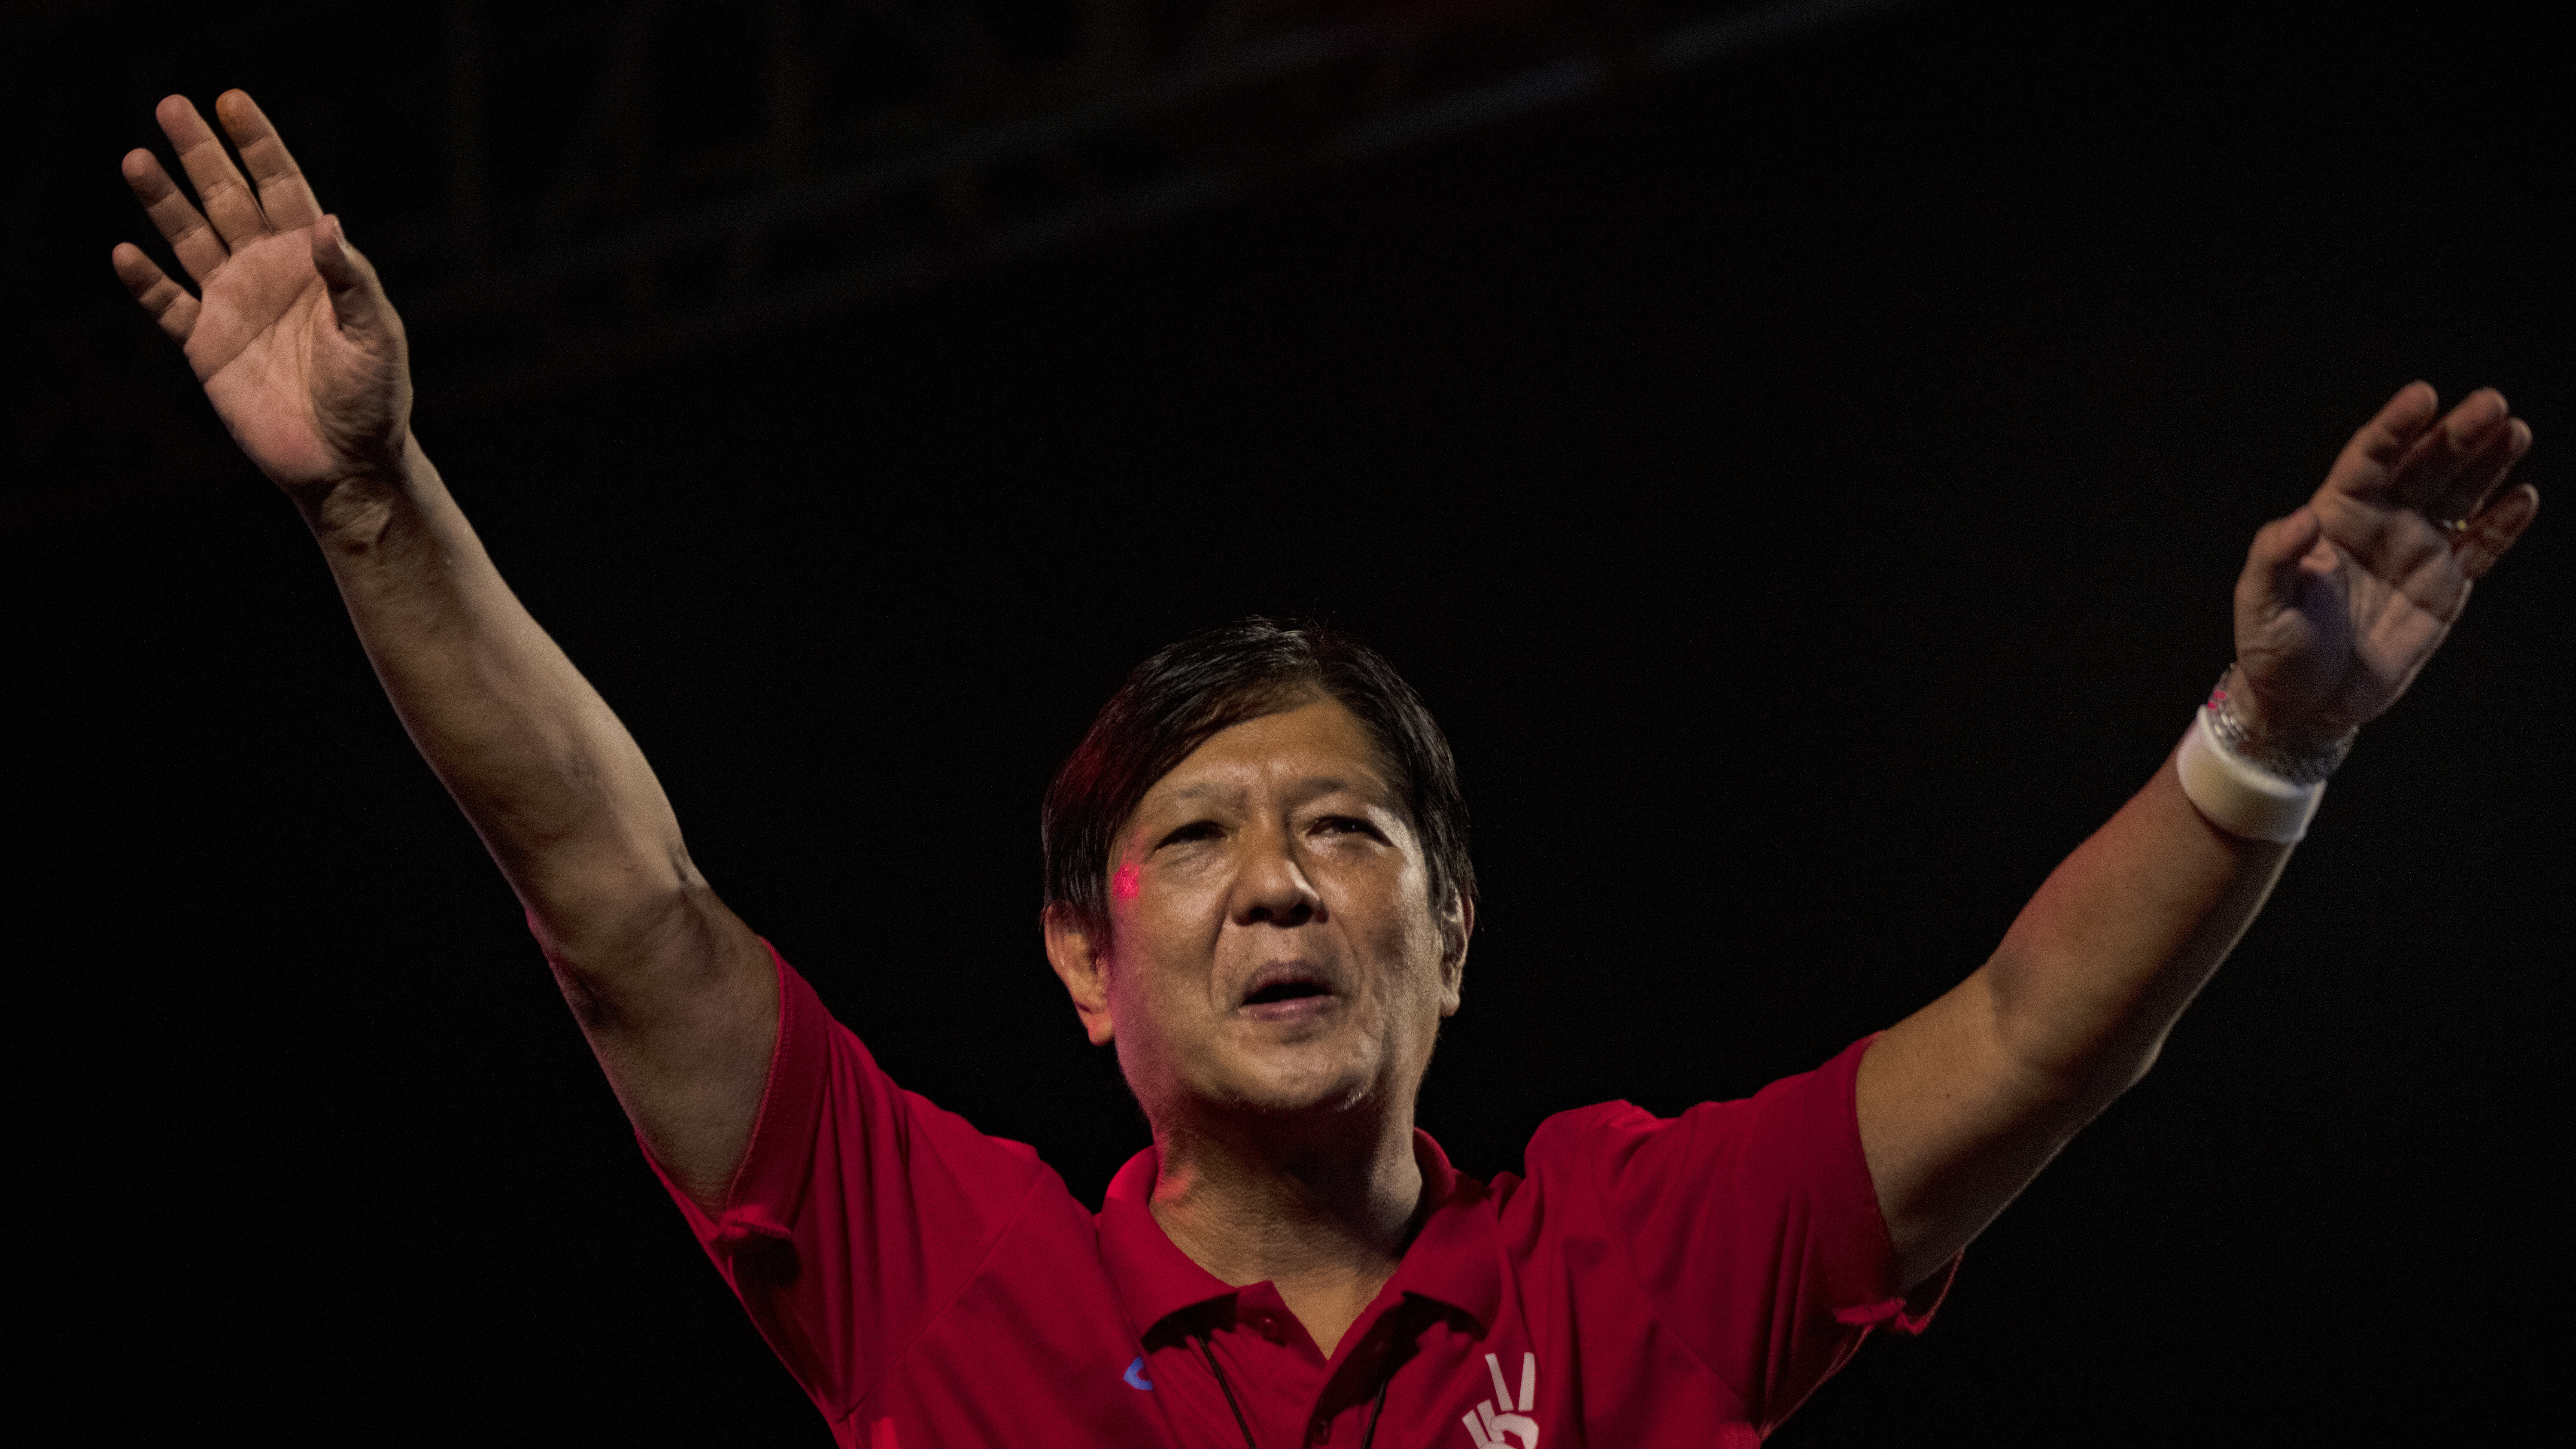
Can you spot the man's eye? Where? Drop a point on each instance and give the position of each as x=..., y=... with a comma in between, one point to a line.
x=1195, y=830
x=1346, y=825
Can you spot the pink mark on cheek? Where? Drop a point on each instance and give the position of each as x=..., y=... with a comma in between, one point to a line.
x=1125, y=883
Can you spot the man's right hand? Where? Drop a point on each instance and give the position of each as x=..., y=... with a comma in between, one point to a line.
x=303, y=359
x=290, y=332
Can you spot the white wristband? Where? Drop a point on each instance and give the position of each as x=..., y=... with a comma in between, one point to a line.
x=2238, y=796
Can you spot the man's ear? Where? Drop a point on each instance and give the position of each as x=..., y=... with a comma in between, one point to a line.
x=1082, y=967
x=1457, y=924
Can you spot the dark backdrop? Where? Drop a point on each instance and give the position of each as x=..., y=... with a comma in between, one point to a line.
x=1808, y=491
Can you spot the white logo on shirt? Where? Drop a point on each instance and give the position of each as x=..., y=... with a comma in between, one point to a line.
x=1498, y=1416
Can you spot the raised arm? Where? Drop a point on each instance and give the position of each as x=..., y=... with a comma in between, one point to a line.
x=304, y=359
x=2339, y=606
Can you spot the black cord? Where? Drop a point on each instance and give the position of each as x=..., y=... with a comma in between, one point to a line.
x=1377, y=1408
x=1210, y=1355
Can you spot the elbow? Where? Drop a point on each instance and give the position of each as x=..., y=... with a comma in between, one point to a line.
x=2082, y=1083
x=2078, y=1067
x=610, y=947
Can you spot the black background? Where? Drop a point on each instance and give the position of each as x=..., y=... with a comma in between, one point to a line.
x=1807, y=490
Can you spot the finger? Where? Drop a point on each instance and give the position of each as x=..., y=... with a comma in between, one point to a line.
x=167, y=301
x=2398, y=423
x=2494, y=530
x=2371, y=458
x=221, y=193
x=356, y=297
x=283, y=192
x=2437, y=459
x=2483, y=471
x=200, y=250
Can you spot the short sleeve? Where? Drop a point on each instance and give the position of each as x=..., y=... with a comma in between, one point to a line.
x=860, y=1209
x=1754, y=1230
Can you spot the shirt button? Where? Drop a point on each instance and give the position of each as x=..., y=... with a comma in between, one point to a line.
x=1322, y=1432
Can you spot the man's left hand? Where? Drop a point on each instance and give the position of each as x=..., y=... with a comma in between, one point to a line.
x=2342, y=601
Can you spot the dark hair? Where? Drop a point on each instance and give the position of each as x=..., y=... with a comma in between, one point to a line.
x=1172, y=703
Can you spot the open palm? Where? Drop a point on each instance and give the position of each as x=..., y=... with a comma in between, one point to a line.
x=2342, y=602
x=289, y=332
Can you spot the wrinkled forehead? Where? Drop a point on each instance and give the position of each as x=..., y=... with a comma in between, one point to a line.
x=1313, y=747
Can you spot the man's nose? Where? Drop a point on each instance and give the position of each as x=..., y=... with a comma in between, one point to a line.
x=1273, y=889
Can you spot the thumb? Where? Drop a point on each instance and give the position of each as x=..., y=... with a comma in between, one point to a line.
x=357, y=299
x=2271, y=579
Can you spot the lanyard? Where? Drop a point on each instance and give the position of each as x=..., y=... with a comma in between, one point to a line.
x=1376, y=1408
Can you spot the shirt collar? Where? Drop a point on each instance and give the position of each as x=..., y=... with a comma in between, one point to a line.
x=1452, y=1260
x=1154, y=1278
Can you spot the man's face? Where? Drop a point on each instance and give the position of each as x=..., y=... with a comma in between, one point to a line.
x=1275, y=946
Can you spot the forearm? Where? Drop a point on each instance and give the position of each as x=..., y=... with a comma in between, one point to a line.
x=1962, y=1102
x=2103, y=959
x=554, y=784
x=673, y=991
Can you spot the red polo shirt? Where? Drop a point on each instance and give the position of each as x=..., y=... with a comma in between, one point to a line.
x=1649, y=1281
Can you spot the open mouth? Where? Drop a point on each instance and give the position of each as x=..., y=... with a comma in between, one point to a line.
x=1287, y=988
x=1285, y=991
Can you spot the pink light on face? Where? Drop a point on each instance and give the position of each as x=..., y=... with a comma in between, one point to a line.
x=1125, y=883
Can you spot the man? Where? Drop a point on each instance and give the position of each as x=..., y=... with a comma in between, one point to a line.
x=1259, y=894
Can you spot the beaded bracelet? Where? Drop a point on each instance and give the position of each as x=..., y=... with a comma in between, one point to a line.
x=2308, y=766
x=2248, y=787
